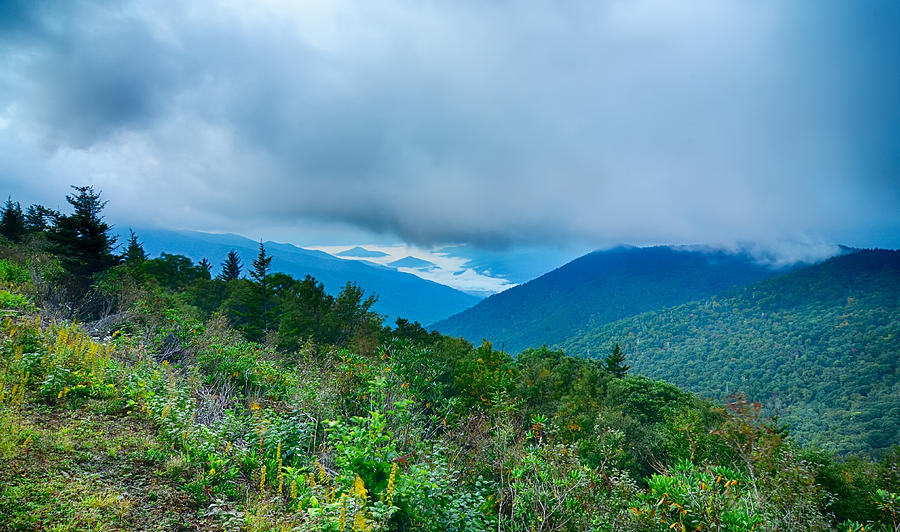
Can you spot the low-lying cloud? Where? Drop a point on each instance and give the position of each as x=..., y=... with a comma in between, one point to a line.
x=497, y=123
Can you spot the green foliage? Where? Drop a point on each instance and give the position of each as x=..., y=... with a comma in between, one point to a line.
x=614, y=363
x=82, y=240
x=484, y=376
x=245, y=366
x=548, y=488
x=173, y=272
x=814, y=345
x=39, y=218
x=12, y=221
x=13, y=301
x=134, y=252
x=11, y=272
x=339, y=424
x=231, y=267
x=688, y=498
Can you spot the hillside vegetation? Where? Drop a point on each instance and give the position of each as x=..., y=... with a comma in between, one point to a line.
x=127, y=401
x=598, y=288
x=819, y=346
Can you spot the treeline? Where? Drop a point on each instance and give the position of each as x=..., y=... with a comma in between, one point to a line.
x=286, y=408
x=261, y=304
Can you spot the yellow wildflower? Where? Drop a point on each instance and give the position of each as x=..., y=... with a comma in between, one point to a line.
x=359, y=489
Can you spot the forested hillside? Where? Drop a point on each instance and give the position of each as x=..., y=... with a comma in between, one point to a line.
x=598, y=288
x=399, y=294
x=820, y=346
x=140, y=393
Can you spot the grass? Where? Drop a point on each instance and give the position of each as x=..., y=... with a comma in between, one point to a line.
x=87, y=469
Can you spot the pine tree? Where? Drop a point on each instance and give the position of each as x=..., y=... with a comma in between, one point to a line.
x=12, y=221
x=206, y=266
x=134, y=254
x=82, y=240
x=39, y=218
x=231, y=267
x=261, y=265
x=614, y=364
x=264, y=300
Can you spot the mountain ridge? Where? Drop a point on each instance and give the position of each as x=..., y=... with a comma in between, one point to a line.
x=819, y=345
x=600, y=287
x=399, y=294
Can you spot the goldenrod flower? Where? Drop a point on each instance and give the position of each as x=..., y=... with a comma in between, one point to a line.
x=359, y=489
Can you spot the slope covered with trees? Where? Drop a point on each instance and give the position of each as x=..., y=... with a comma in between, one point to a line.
x=820, y=346
x=598, y=288
x=178, y=401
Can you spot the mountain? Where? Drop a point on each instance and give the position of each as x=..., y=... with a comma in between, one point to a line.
x=819, y=345
x=601, y=287
x=399, y=294
x=361, y=252
x=518, y=265
x=412, y=262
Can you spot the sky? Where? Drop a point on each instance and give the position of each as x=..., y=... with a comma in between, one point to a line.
x=493, y=124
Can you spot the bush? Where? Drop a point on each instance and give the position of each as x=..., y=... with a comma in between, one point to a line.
x=11, y=272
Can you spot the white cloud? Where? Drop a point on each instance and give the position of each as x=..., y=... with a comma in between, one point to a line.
x=453, y=271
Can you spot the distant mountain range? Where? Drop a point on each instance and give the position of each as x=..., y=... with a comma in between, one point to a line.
x=399, y=294
x=819, y=345
x=598, y=288
x=412, y=262
x=361, y=252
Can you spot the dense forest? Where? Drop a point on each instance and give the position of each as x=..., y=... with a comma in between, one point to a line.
x=599, y=288
x=819, y=346
x=145, y=393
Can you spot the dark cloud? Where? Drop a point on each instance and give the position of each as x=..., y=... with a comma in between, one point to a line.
x=489, y=123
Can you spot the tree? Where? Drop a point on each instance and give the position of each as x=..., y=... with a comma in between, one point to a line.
x=134, y=254
x=12, y=221
x=614, y=364
x=204, y=263
x=264, y=300
x=39, y=218
x=175, y=272
x=231, y=267
x=305, y=311
x=261, y=265
x=82, y=240
x=353, y=318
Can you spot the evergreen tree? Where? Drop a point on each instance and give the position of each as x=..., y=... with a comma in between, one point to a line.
x=264, y=300
x=204, y=263
x=82, y=240
x=353, y=311
x=39, y=218
x=231, y=267
x=12, y=221
x=261, y=265
x=134, y=254
x=614, y=364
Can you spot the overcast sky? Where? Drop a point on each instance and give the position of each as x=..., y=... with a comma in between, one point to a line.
x=493, y=123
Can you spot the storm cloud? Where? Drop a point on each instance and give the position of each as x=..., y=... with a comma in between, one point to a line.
x=492, y=123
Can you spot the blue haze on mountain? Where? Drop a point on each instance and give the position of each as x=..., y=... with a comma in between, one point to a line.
x=399, y=294
x=601, y=287
x=412, y=262
x=361, y=252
